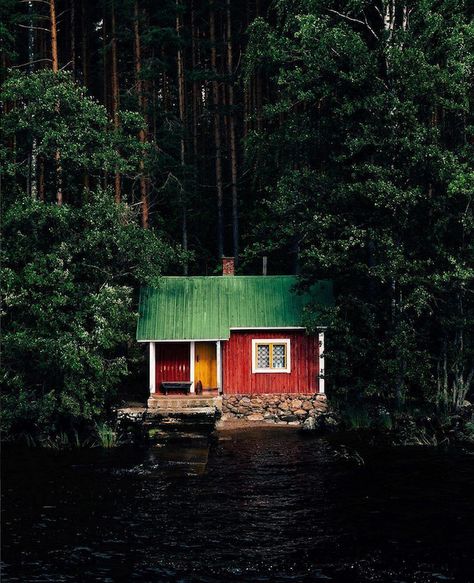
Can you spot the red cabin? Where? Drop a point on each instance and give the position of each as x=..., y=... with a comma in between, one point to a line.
x=232, y=335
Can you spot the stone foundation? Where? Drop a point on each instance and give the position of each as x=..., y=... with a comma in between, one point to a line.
x=291, y=409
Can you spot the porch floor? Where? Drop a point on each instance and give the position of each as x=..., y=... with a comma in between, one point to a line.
x=203, y=395
x=184, y=403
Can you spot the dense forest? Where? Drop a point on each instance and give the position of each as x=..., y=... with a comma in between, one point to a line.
x=335, y=138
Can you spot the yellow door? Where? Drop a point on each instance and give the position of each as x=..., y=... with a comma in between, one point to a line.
x=205, y=365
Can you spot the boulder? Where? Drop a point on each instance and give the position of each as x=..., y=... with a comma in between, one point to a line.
x=329, y=422
x=289, y=418
x=309, y=424
x=256, y=401
x=255, y=417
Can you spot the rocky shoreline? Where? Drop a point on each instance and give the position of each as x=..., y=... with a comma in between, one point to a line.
x=283, y=408
x=309, y=413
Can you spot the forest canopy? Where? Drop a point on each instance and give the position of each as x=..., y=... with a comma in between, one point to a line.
x=141, y=138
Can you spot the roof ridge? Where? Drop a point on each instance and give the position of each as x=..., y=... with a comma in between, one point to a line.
x=225, y=277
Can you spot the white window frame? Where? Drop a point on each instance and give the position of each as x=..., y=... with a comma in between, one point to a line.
x=257, y=341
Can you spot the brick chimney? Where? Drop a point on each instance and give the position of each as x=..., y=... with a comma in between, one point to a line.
x=228, y=266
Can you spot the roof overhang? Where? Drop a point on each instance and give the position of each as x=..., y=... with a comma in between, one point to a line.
x=267, y=328
x=184, y=340
x=232, y=329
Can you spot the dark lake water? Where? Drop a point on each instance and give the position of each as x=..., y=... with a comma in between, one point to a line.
x=261, y=505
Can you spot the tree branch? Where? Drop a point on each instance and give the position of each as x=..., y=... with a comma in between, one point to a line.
x=363, y=22
x=41, y=1
x=30, y=63
x=31, y=27
x=65, y=66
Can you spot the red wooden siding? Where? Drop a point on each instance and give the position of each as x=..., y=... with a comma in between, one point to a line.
x=237, y=364
x=172, y=362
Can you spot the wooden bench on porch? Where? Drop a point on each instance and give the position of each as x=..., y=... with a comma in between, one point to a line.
x=176, y=386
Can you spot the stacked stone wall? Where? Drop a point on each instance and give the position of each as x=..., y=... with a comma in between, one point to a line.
x=284, y=408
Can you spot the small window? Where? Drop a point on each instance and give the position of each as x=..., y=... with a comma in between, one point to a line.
x=270, y=355
x=263, y=355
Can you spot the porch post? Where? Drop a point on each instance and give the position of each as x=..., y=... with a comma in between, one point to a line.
x=321, y=362
x=192, y=356
x=152, y=367
x=219, y=367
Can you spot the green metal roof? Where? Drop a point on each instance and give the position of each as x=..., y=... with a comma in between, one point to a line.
x=206, y=308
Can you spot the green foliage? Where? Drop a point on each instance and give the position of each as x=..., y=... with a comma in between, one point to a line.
x=470, y=427
x=365, y=167
x=68, y=276
x=56, y=114
x=356, y=418
x=359, y=149
x=106, y=436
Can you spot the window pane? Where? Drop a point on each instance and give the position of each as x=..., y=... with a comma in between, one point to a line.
x=279, y=356
x=263, y=356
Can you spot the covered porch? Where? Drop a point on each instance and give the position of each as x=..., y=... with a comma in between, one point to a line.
x=185, y=369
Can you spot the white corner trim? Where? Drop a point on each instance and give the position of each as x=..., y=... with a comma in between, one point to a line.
x=152, y=368
x=219, y=366
x=321, y=362
x=286, y=341
x=192, y=356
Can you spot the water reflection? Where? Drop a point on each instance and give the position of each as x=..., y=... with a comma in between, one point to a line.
x=261, y=505
x=182, y=457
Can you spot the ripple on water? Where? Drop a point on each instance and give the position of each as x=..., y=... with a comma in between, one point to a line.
x=260, y=505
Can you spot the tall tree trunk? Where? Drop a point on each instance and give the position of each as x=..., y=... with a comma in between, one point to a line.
x=259, y=99
x=233, y=142
x=85, y=70
x=55, y=66
x=32, y=187
x=105, y=77
x=165, y=85
x=389, y=26
x=246, y=84
x=54, y=36
x=217, y=135
x=72, y=32
x=105, y=97
x=182, y=118
x=115, y=95
x=195, y=84
x=41, y=193
x=258, y=82
x=462, y=369
x=154, y=99
x=141, y=103
x=44, y=47
x=84, y=44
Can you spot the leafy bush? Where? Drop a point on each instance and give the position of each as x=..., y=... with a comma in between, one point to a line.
x=69, y=275
x=106, y=436
x=357, y=418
